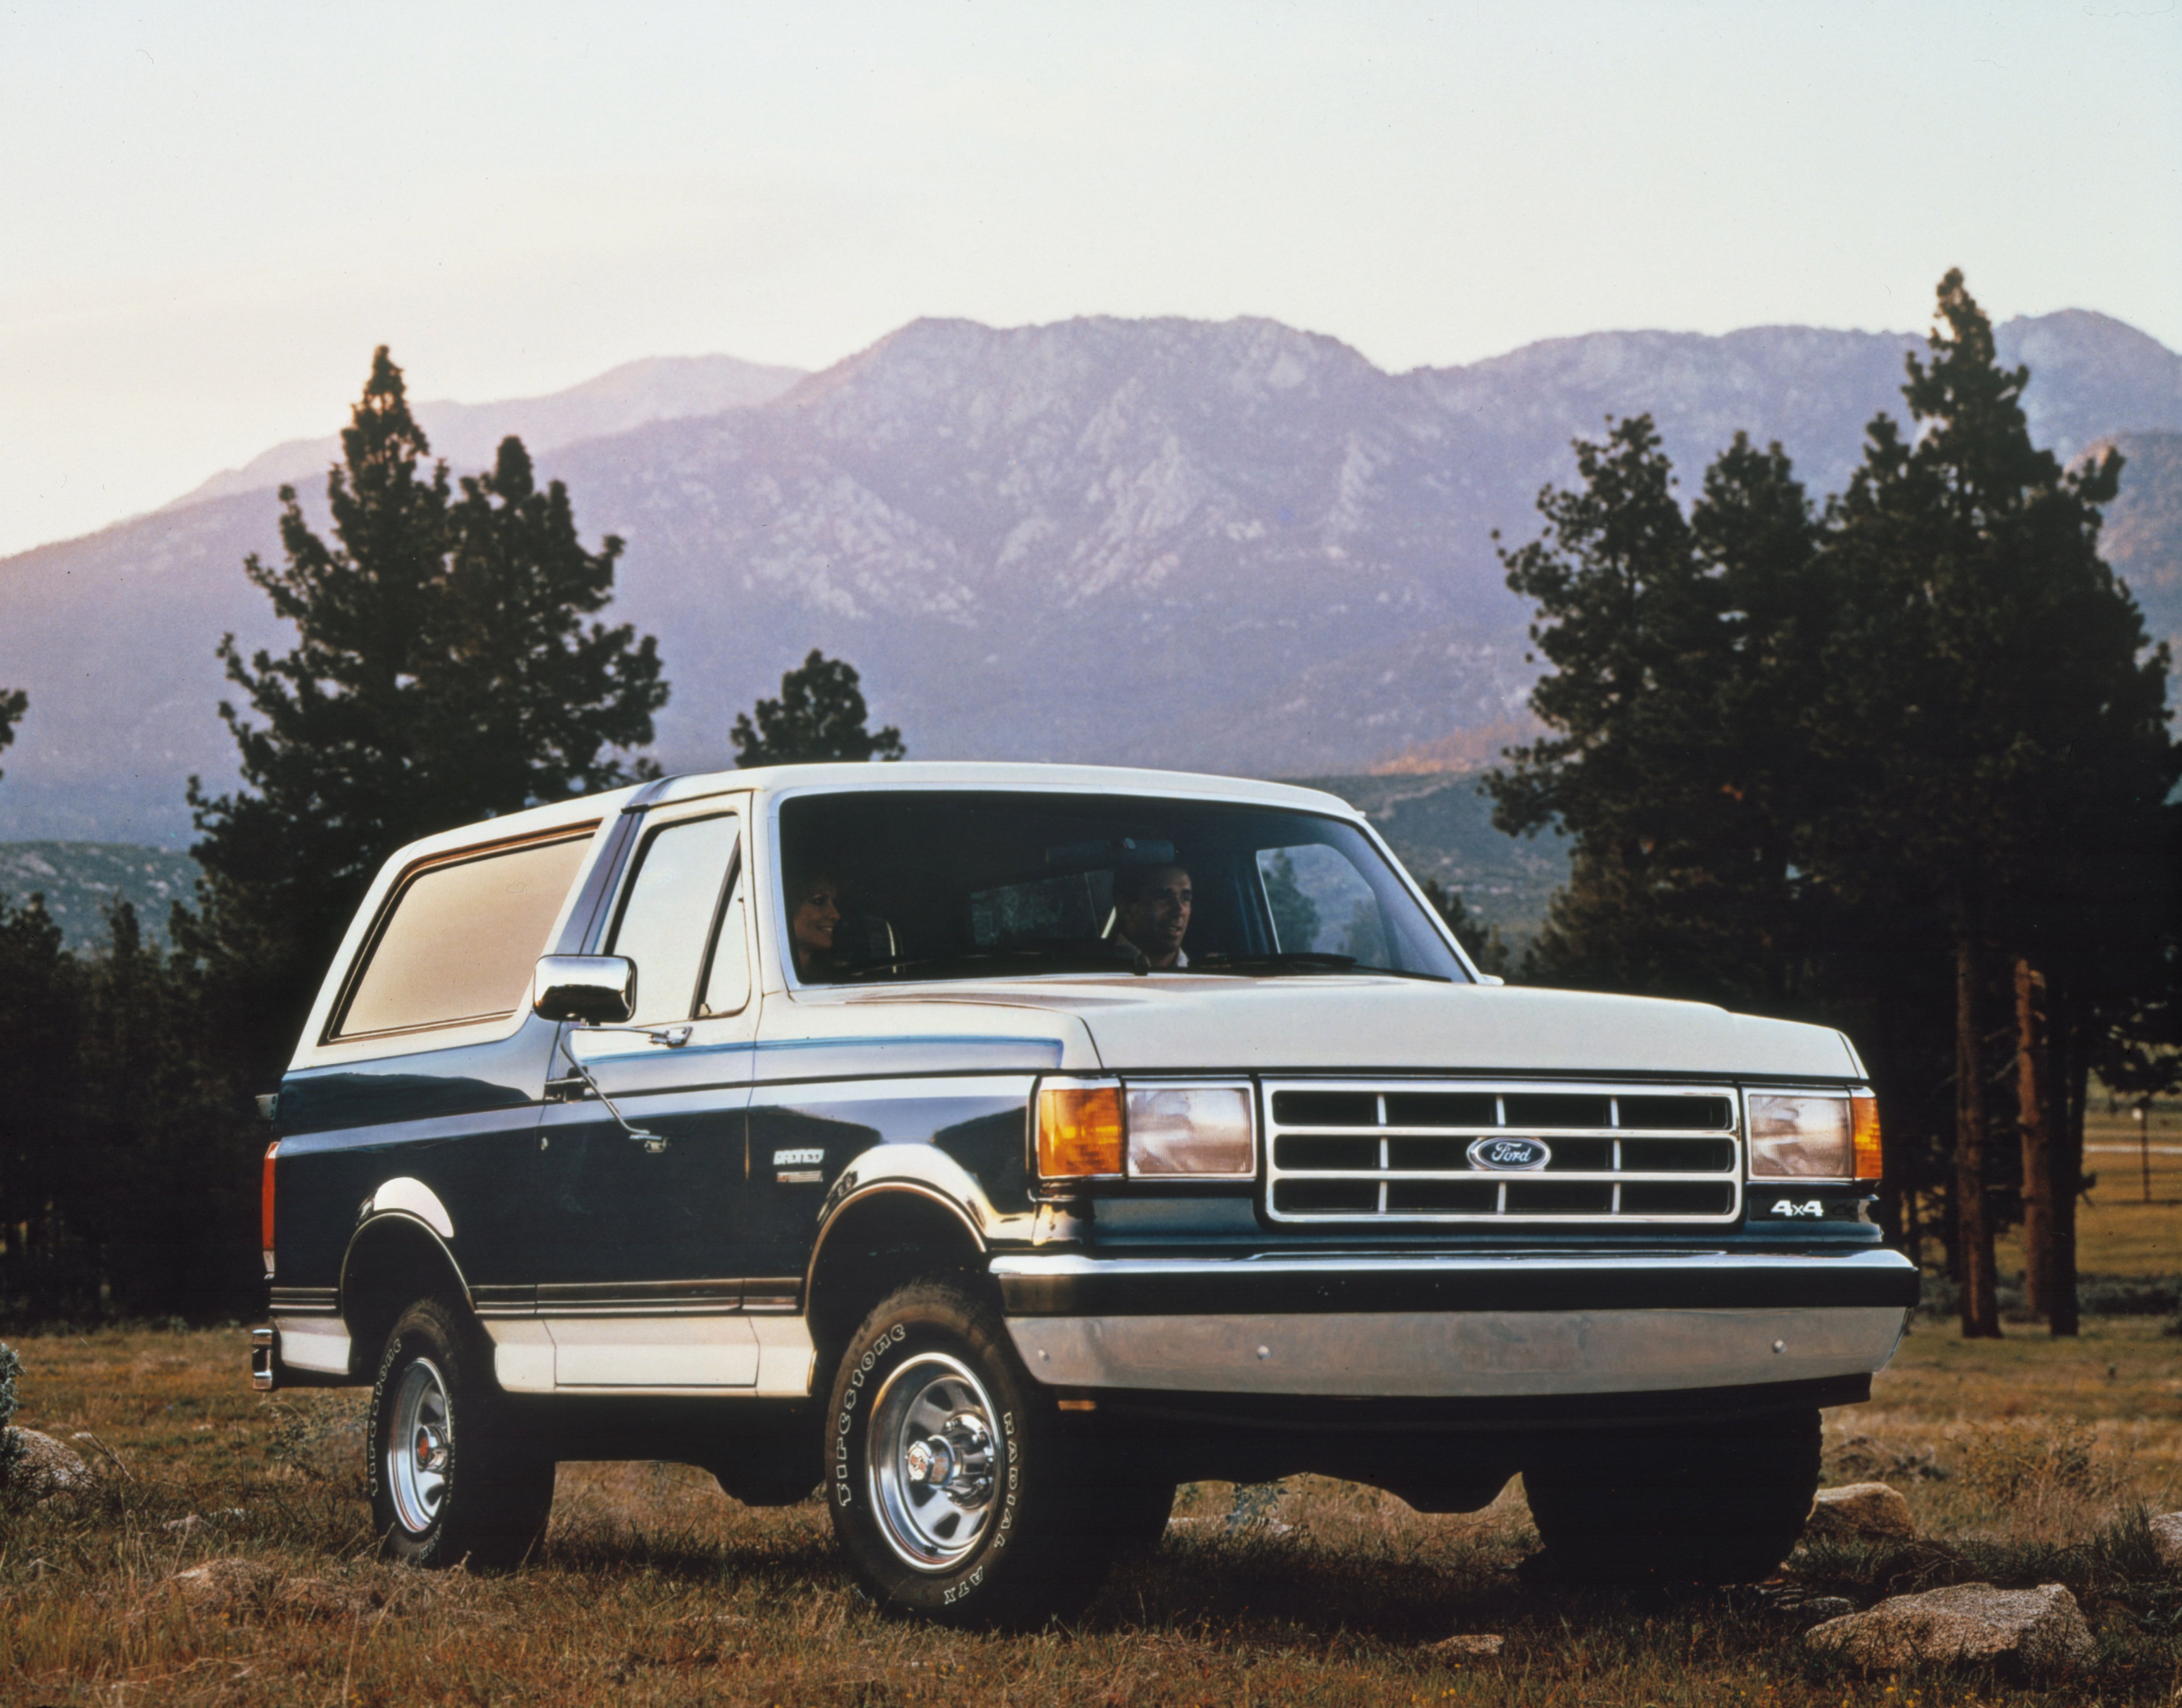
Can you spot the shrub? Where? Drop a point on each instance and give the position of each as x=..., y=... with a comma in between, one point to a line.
x=11, y=1445
x=2008, y=1462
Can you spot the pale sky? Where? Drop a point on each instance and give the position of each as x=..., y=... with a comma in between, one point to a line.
x=210, y=214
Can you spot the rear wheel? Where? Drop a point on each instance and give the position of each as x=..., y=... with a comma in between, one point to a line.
x=452, y=1479
x=1719, y=1504
x=954, y=1493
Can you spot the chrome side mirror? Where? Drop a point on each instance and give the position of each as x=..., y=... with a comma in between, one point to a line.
x=591, y=990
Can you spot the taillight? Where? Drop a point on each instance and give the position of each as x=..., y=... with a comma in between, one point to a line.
x=265, y=1207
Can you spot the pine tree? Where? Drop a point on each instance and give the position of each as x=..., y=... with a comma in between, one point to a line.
x=1681, y=647
x=1484, y=945
x=819, y=716
x=1849, y=768
x=525, y=701
x=13, y=703
x=440, y=675
x=166, y=1189
x=45, y=1267
x=1990, y=690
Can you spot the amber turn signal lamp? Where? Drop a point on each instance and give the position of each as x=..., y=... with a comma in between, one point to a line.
x=265, y=1205
x=1080, y=1132
x=1864, y=1117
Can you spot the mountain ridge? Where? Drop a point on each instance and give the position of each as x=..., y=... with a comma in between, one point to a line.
x=1227, y=546
x=653, y=388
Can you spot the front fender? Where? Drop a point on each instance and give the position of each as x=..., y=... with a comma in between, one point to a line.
x=923, y=1169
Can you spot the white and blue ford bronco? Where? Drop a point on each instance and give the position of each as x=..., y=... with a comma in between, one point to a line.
x=992, y=1148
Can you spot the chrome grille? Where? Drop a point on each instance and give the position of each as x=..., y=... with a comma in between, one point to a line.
x=1400, y=1150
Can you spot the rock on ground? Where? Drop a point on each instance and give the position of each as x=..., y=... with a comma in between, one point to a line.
x=43, y=1467
x=2038, y=1630
x=1861, y=1512
x=2167, y=1537
x=225, y=1587
x=232, y=1589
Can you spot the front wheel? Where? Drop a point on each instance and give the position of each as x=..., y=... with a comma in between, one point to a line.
x=1721, y=1504
x=450, y=1479
x=955, y=1493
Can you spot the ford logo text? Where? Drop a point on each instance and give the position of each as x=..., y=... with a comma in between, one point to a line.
x=1509, y=1153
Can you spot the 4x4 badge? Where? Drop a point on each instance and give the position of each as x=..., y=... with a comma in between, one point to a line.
x=1509, y=1153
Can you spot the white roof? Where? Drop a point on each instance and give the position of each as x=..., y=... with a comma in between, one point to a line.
x=949, y=773
x=533, y=821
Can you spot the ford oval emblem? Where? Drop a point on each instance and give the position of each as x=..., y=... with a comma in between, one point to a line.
x=1509, y=1153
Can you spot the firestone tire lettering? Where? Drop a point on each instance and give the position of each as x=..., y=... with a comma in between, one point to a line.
x=1036, y=1556
x=491, y=1508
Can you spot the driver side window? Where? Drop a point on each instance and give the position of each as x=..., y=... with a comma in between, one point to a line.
x=682, y=897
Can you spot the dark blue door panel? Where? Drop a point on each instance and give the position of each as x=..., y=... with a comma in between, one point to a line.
x=616, y=1210
x=462, y=1121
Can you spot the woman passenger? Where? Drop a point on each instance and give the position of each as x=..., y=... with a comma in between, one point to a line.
x=814, y=916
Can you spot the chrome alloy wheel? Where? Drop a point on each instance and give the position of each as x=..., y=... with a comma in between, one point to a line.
x=932, y=1460
x=417, y=1447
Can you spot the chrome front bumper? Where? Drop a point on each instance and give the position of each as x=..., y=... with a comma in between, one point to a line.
x=1455, y=1328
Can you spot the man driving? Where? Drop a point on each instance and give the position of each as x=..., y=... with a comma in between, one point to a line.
x=1151, y=911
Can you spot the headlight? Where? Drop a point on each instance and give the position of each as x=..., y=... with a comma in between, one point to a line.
x=1198, y=1131
x=1093, y=1130
x=1821, y=1135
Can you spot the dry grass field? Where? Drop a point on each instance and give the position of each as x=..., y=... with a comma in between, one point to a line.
x=2023, y=1460
x=2123, y=1229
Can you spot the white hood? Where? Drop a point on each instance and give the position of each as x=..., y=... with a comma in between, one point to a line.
x=1335, y=1023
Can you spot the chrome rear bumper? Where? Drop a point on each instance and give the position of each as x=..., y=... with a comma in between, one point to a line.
x=1488, y=1327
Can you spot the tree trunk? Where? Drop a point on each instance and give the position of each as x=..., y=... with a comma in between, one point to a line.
x=2033, y=1121
x=1980, y=1296
x=2072, y=1079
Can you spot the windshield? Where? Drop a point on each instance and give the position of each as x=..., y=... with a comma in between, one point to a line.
x=921, y=884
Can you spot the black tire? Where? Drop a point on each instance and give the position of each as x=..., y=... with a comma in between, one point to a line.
x=451, y=1480
x=956, y=1494
x=1718, y=1505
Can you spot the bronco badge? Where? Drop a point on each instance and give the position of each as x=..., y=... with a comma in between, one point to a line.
x=1509, y=1153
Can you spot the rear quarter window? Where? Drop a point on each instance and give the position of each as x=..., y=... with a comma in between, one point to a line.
x=460, y=940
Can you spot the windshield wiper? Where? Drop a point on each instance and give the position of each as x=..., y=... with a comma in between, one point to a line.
x=1086, y=958
x=983, y=961
x=1307, y=961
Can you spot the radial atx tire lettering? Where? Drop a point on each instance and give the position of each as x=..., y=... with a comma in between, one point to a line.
x=451, y=1480
x=1719, y=1503
x=955, y=1493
